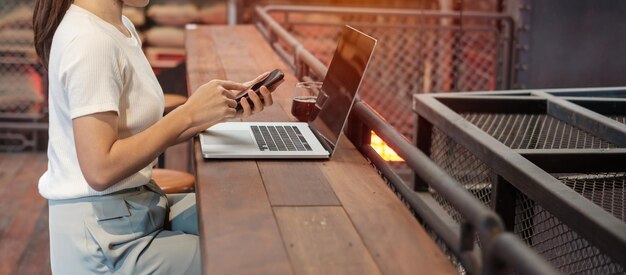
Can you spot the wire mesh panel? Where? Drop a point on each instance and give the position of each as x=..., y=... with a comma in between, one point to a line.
x=535, y=131
x=22, y=95
x=415, y=54
x=568, y=251
x=463, y=166
x=20, y=73
x=546, y=234
x=558, y=243
x=517, y=131
x=604, y=189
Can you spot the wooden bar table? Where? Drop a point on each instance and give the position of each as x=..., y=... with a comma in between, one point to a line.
x=294, y=216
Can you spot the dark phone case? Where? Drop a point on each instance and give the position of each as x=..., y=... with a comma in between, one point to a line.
x=274, y=77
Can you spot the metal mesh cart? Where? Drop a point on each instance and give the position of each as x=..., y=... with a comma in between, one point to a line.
x=551, y=163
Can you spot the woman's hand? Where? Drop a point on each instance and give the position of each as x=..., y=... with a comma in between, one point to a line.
x=213, y=102
x=256, y=100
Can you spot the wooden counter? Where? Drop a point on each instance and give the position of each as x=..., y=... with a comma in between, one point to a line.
x=294, y=217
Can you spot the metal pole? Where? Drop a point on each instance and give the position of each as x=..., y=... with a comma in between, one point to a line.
x=232, y=12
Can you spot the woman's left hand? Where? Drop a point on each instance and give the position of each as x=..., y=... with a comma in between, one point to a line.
x=259, y=104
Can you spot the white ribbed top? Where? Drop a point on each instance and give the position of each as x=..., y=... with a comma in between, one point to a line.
x=95, y=68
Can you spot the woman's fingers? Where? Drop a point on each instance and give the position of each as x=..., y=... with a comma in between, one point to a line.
x=267, y=96
x=247, y=110
x=229, y=90
x=231, y=103
x=230, y=112
x=256, y=100
x=259, y=104
x=231, y=85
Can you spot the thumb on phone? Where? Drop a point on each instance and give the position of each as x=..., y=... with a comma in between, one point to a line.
x=258, y=79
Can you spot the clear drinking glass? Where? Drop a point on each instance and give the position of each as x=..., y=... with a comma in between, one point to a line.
x=304, y=100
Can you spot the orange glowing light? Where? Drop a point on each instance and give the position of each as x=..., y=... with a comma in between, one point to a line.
x=383, y=149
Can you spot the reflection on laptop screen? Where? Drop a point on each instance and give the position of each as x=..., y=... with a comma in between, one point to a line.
x=342, y=82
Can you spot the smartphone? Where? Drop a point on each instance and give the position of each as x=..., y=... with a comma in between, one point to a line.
x=270, y=81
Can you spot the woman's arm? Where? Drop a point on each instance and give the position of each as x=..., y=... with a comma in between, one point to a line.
x=105, y=160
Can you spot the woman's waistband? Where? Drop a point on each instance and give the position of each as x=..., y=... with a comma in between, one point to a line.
x=149, y=187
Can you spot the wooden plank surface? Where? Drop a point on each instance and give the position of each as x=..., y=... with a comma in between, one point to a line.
x=203, y=63
x=322, y=240
x=397, y=242
x=296, y=183
x=240, y=232
x=287, y=183
x=24, y=238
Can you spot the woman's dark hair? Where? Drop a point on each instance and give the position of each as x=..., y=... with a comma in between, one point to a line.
x=46, y=19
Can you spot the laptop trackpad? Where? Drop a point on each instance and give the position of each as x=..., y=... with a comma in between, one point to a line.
x=218, y=140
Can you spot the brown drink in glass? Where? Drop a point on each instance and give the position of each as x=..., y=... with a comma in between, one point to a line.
x=303, y=105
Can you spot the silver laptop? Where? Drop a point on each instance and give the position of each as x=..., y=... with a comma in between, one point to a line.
x=316, y=139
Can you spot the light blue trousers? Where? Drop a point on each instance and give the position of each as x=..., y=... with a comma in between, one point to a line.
x=137, y=231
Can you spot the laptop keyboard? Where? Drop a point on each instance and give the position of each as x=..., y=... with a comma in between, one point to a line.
x=279, y=138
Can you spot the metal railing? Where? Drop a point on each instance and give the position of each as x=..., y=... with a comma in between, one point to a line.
x=419, y=51
x=22, y=82
x=478, y=242
x=477, y=220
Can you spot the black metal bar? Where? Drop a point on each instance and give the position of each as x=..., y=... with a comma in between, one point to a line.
x=436, y=177
x=577, y=160
x=604, y=106
x=468, y=235
x=359, y=133
x=601, y=126
x=485, y=93
x=161, y=160
x=592, y=99
x=503, y=196
x=589, y=220
x=495, y=104
x=423, y=142
x=592, y=92
x=568, y=92
x=506, y=55
x=506, y=247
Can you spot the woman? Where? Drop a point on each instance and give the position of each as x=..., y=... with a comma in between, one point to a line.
x=106, y=130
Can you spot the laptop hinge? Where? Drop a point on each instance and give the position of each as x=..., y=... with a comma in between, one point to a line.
x=323, y=140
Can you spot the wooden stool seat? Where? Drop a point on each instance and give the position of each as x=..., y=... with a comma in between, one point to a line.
x=172, y=101
x=173, y=181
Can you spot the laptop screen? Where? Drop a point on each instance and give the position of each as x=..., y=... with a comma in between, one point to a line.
x=342, y=81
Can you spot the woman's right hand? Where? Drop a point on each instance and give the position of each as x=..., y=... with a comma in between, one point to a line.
x=212, y=102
